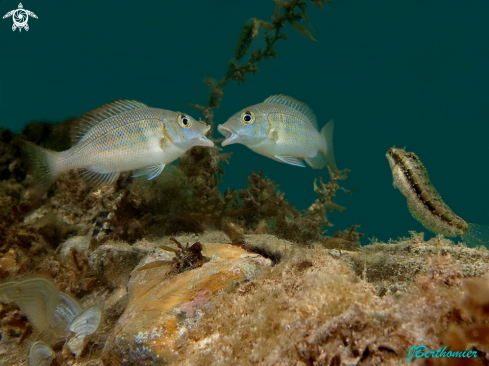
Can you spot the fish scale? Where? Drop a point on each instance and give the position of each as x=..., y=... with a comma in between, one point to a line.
x=294, y=130
x=125, y=138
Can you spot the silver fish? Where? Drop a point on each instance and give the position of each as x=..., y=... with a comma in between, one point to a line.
x=117, y=137
x=282, y=129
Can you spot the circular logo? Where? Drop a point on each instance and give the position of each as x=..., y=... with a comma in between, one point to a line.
x=20, y=18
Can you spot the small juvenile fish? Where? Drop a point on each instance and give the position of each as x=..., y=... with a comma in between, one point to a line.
x=117, y=137
x=282, y=129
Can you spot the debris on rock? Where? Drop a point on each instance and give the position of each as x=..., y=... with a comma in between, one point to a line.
x=112, y=263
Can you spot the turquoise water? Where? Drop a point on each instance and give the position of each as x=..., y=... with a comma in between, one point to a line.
x=409, y=74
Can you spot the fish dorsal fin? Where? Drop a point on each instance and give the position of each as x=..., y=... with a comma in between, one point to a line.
x=90, y=119
x=293, y=103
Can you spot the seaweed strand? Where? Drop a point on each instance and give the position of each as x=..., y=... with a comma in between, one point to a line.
x=292, y=12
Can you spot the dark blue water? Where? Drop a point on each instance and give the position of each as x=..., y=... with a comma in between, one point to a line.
x=409, y=74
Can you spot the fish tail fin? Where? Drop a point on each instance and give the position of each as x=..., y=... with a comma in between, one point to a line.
x=476, y=235
x=327, y=133
x=43, y=165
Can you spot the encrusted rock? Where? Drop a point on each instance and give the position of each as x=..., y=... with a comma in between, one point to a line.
x=76, y=345
x=163, y=305
x=112, y=263
x=89, y=363
x=8, y=264
x=205, y=237
x=115, y=304
x=268, y=245
x=72, y=247
x=392, y=268
x=151, y=252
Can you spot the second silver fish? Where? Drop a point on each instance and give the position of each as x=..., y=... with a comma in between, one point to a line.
x=282, y=129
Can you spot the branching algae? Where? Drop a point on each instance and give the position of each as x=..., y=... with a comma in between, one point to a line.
x=286, y=12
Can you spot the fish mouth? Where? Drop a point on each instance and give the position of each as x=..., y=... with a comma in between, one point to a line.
x=204, y=141
x=391, y=161
x=230, y=135
x=393, y=157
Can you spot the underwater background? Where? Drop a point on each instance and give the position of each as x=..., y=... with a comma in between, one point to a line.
x=404, y=74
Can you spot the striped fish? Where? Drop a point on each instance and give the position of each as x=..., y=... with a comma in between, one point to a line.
x=120, y=136
x=282, y=129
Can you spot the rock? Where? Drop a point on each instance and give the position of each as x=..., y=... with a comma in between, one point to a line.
x=13, y=328
x=206, y=237
x=234, y=231
x=163, y=305
x=152, y=253
x=89, y=363
x=112, y=263
x=393, y=268
x=115, y=304
x=8, y=264
x=268, y=245
x=76, y=345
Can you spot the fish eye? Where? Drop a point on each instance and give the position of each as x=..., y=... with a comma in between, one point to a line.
x=184, y=121
x=248, y=117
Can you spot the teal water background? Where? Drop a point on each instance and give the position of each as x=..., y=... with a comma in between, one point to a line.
x=390, y=73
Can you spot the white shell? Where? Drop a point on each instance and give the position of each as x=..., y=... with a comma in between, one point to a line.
x=88, y=321
x=36, y=297
x=40, y=354
x=68, y=308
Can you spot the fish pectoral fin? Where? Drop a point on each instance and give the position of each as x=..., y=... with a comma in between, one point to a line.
x=96, y=179
x=162, y=143
x=274, y=134
x=151, y=171
x=318, y=161
x=290, y=160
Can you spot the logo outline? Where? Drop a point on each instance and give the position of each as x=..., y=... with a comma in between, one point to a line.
x=20, y=16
